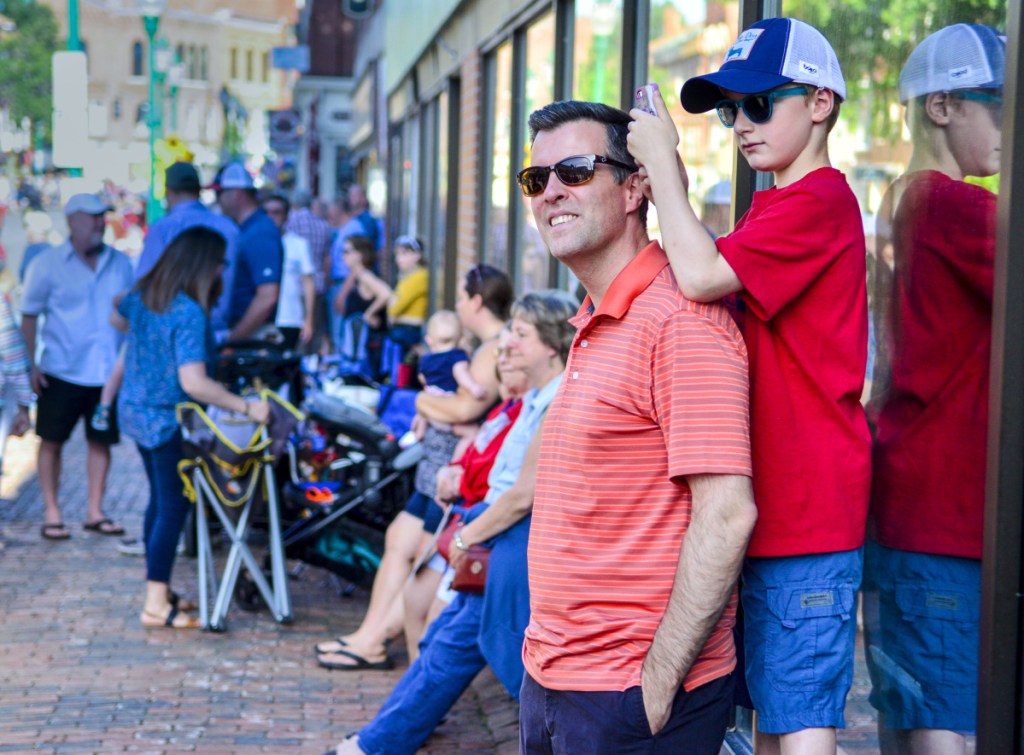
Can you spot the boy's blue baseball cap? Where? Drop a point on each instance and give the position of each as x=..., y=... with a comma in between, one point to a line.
x=770, y=53
x=961, y=56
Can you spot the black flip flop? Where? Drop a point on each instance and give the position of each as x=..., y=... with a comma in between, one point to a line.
x=97, y=526
x=361, y=664
x=339, y=640
x=47, y=531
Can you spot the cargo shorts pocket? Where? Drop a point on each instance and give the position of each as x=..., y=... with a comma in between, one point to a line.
x=810, y=641
x=939, y=631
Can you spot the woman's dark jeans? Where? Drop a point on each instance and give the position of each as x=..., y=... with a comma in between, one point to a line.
x=168, y=508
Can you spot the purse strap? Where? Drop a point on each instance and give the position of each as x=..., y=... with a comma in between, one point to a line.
x=424, y=559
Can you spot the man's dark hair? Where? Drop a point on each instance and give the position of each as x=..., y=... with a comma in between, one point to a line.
x=616, y=123
x=278, y=197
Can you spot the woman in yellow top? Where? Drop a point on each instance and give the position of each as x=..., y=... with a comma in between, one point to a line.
x=407, y=307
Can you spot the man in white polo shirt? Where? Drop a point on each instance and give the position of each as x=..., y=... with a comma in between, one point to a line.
x=73, y=286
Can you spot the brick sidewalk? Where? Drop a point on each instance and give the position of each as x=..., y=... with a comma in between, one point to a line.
x=79, y=674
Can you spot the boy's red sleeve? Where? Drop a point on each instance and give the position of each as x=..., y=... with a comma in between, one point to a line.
x=780, y=249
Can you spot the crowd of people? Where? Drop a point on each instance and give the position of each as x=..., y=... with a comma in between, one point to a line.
x=673, y=470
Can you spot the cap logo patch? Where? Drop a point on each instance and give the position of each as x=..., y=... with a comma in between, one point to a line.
x=808, y=69
x=743, y=45
x=960, y=73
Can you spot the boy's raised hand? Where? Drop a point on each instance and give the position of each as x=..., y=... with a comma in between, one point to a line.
x=653, y=142
x=652, y=138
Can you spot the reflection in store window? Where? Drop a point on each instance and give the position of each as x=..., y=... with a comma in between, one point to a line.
x=533, y=259
x=918, y=140
x=495, y=250
x=597, y=60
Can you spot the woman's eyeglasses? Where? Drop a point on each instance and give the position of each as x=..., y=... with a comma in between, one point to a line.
x=757, y=107
x=572, y=171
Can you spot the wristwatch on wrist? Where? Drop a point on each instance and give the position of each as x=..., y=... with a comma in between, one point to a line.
x=457, y=539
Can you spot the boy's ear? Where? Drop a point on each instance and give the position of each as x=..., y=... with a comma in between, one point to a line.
x=937, y=107
x=824, y=101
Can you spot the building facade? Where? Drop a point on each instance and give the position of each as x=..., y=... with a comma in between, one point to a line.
x=218, y=75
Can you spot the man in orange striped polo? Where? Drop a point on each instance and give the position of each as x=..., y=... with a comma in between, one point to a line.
x=643, y=505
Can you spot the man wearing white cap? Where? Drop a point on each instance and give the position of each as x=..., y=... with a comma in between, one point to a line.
x=74, y=285
x=257, y=282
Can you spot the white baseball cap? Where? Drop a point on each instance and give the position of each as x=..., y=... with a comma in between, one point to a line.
x=90, y=204
x=767, y=55
x=233, y=176
x=961, y=56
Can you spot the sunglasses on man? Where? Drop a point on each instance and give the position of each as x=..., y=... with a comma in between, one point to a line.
x=572, y=171
x=757, y=107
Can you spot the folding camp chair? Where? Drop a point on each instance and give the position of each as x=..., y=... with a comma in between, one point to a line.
x=229, y=469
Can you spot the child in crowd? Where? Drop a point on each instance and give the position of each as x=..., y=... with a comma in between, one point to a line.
x=797, y=260
x=446, y=367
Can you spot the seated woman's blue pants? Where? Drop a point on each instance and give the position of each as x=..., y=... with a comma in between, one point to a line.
x=449, y=660
x=168, y=508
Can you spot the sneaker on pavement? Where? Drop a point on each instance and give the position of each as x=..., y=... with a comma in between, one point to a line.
x=131, y=546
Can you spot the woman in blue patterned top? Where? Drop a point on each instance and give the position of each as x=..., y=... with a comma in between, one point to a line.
x=166, y=316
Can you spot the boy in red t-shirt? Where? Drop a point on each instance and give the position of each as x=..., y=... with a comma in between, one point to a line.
x=923, y=562
x=797, y=260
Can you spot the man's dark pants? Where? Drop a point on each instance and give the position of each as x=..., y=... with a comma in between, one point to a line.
x=555, y=721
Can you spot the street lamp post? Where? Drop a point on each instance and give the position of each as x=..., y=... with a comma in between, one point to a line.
x=175, y=75
x=151, y=10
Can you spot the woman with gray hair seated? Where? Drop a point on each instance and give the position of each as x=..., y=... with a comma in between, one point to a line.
x=476, y=630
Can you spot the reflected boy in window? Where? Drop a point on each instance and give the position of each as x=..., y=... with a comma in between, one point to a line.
x=923, y=568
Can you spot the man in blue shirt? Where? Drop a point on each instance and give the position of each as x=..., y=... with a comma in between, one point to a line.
x=257, y=273
x=184, y=210
x=72, y=288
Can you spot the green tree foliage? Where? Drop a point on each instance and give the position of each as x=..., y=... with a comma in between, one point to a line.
x=873, y=38
x=25, y=54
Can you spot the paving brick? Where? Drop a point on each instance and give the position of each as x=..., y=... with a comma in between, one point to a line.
x=79, y=674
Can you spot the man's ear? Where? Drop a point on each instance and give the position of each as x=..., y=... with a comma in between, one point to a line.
x=937, y=107
x=635, y=193
x=824, y=101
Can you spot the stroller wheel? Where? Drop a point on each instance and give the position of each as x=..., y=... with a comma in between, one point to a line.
x=247, y=594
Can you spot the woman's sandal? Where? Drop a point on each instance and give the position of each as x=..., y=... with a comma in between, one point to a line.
x=182, y=604
x=154, y=621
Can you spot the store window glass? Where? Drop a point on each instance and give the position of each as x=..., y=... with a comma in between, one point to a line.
x=439, y=225
x=533, y=260
x=597, y=52
x=689, y=39
x=495, y=241
x=410, y=161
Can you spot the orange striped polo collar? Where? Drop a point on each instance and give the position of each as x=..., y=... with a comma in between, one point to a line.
x=628, y=284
